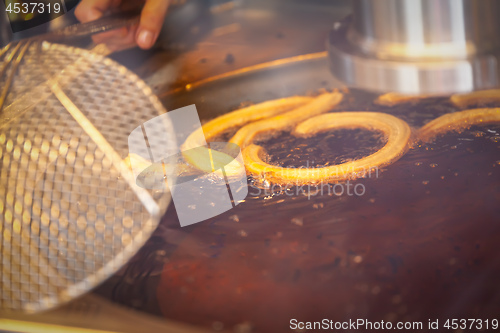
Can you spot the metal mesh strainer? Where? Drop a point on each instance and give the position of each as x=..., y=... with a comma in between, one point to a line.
x=70, y=214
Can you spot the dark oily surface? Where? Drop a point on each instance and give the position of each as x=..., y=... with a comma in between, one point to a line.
x=419, y=243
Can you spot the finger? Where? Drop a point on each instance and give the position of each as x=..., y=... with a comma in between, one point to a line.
x=152, y=17
x=127, y=41
x=90, y=10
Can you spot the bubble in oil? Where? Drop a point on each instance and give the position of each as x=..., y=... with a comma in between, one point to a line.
x=478, y=134
x=297, y=221
x=358, y=259
x=318, y=205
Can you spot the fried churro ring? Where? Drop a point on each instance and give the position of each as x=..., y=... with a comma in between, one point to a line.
x=458, y=121
x=241, y=117
x=482, y=96
x=271, y=117
x=197, y=157
x=398, y=135
x=321, y=104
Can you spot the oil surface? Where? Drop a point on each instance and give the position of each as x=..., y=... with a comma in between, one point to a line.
x=420, y=242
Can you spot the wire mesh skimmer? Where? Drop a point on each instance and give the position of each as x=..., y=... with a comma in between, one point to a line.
x=70, y=212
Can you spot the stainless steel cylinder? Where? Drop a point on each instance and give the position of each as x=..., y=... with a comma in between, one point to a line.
x=418, y=46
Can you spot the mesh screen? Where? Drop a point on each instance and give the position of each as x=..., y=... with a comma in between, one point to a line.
x=69, y=219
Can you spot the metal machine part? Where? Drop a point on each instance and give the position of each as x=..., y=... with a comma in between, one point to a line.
x=418, y=46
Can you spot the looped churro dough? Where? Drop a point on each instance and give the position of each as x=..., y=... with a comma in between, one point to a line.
x=197, y=157
x=481, y=96
x=241, y=117
x=392, y=99
x=398, y=135
x=458, y=121
x=308, y=116
x=321, y=104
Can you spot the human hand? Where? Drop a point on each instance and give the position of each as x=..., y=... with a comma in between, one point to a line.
x=143, y=34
